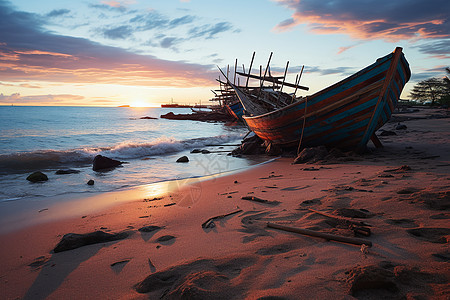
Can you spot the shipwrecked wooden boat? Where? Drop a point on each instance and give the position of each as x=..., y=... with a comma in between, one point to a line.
x=344, y=115
x=227, y=99
x=267, y=95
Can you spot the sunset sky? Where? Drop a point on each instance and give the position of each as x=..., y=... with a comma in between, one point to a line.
x=144, y=53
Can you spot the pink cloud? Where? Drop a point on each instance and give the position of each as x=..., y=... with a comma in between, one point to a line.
x=30, y=53
x=371, y=19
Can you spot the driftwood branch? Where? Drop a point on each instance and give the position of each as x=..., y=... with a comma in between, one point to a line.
x=327, y=236
x=209, y=223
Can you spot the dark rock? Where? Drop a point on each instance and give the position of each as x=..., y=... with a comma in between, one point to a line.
x=102, y=162
x=147, y=118
x=66, y=171
x=387, y=133
x=311, y=155
x=206, y=116
x=206, y=151
x=183, y=159
x=72, y=241
x=401, y=127
x=90, y=182
x=249, y=146
x=37, y=177
x=196, y=151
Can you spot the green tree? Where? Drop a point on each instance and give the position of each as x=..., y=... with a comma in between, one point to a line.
x=445, y=100
x=433, y=89
x=446, y=79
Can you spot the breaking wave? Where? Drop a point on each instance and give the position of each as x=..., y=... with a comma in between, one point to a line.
x=51, y=159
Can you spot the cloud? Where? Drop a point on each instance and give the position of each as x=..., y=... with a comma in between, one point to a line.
x=168, y=42
x=120, y=32
x=16, y=98
x=181, y=21
x=23, y=85
x=343, y=71
x=57, y=13
x=343, y=49
x=436, y=72
x=438, y=49
x=28, y=52
x=371, y=19
x=211, y=30
x=149, y=21
x=110, y=6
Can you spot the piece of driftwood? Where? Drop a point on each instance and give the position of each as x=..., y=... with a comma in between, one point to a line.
x=72, y=241
x=364, y=231
x=209, y=223
x=256, y=199
x=327, y=236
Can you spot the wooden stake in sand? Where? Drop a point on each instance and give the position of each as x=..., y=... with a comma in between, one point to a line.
x=327, y=236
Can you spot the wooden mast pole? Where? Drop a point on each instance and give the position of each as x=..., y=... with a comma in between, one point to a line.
x=235, y=69
x=250, y=69
x=282, y=84
x=267, y=67
x=265, y=73
x=297, y=82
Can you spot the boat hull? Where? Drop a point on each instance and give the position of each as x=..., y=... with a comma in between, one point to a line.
x=344, y=115
x=236, y=110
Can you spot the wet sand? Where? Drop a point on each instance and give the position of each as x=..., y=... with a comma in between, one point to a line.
x=401, y=193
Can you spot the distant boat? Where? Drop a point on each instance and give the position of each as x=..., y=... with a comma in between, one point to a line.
x=174, y=105
x=344, y=115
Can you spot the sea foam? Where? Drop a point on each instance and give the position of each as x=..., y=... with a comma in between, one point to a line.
x=51, y=159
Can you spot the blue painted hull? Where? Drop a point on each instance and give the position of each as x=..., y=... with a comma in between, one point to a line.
x=236, y=110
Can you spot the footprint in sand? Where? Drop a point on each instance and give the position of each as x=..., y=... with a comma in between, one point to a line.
x=433, y=235
x=405, y=223
x=442, y=256
x=166, y=239
x=200, y=279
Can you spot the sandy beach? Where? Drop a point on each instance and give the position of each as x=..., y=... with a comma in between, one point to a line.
x=396, y=197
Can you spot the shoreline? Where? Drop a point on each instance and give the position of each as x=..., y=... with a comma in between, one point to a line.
x=24, y=212
x=223, y=261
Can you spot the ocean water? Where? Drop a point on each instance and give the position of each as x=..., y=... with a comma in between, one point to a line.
x=47, y=139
